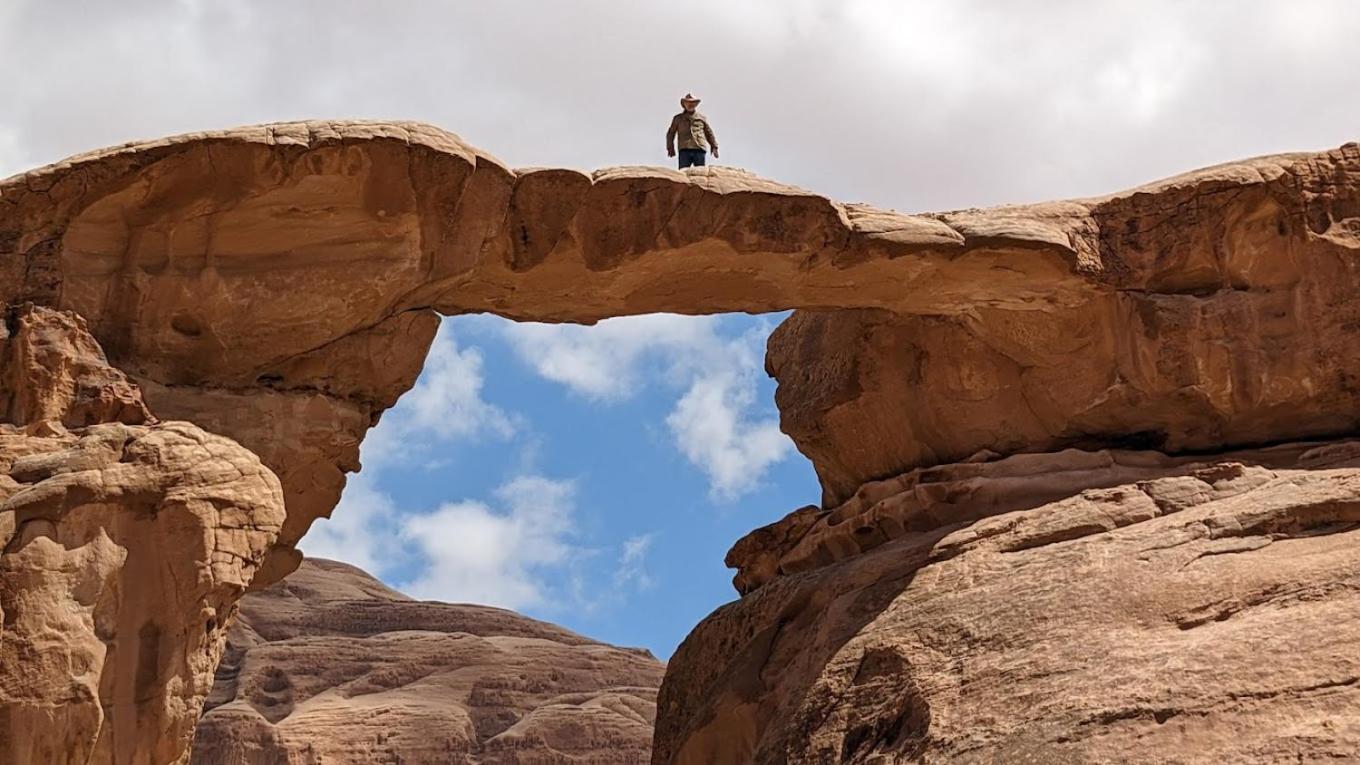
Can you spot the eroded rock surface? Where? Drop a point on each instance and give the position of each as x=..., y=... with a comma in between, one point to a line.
x=123, y=550
x=278, y=284
x=926, y=499
x=1225, y=317
x=52, y=370
x=1200, y=614
x=331, y=666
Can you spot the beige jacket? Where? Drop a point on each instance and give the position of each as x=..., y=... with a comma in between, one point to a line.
x=694, y=132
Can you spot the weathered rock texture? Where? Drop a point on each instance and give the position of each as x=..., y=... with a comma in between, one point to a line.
x=1201, y=614
x=124, y=545
x=927, y=499
x=1225, y=317
x=331, y=666
x=277, y=284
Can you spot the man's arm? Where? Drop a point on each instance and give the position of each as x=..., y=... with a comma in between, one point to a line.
x=670, y=136
x=712, y=137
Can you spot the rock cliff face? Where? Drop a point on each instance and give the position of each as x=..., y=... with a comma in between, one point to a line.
x=1053, y=524
x=1191, y=613
x=331, y=666
x=124, y=545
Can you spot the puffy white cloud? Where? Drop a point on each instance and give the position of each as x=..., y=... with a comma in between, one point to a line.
x=508, y=555
x=713, y=430
x=632, y=568
x=445, y=405
x=717, y=423
x=518, y=548
x=446, y=401
x=361, y=530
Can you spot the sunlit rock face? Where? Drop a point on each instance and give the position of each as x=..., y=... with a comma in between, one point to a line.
x=1024, y=419
x=331, y=666
x=124, y=546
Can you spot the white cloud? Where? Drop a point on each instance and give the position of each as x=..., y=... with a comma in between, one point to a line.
x=508, y=555
x=716, y=423
x=632, y=568
x=517, y=550
x=11, y=152
x=444, y=406
x=360, y=530
x=603, y=361
x=713, y=431
x=923, y=105
x=447, y=399
x=520, y=550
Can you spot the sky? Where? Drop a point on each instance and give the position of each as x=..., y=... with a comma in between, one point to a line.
x=595, y=476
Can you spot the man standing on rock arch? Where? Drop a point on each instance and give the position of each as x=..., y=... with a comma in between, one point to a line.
x=696, y=135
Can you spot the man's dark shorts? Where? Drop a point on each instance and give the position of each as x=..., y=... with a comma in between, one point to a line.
x=692, y=158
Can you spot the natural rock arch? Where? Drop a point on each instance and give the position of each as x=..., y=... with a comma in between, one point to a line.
x=279, y=284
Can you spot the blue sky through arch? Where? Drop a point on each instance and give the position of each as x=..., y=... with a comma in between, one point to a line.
x=590, y=476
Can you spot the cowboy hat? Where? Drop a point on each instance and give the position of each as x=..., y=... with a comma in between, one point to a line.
x=689, y=99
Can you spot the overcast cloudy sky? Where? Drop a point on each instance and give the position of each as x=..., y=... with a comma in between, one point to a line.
x=594, y=476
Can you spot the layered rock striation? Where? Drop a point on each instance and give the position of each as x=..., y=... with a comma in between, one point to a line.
x=331, y=666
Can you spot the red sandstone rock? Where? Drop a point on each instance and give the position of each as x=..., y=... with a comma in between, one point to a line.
x=54, y=371
x=926, y=499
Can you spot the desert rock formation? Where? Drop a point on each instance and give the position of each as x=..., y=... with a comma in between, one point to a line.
x=124, y=546
x=1199, y=614
x=330, y=666
x=1067, y=513
x=278, y=285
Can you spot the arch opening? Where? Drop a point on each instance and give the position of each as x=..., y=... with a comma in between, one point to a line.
x=591, y=476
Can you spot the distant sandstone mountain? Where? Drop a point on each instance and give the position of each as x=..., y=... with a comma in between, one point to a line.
x=330, y=666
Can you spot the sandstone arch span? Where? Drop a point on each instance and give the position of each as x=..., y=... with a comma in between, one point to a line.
x=280, y=284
